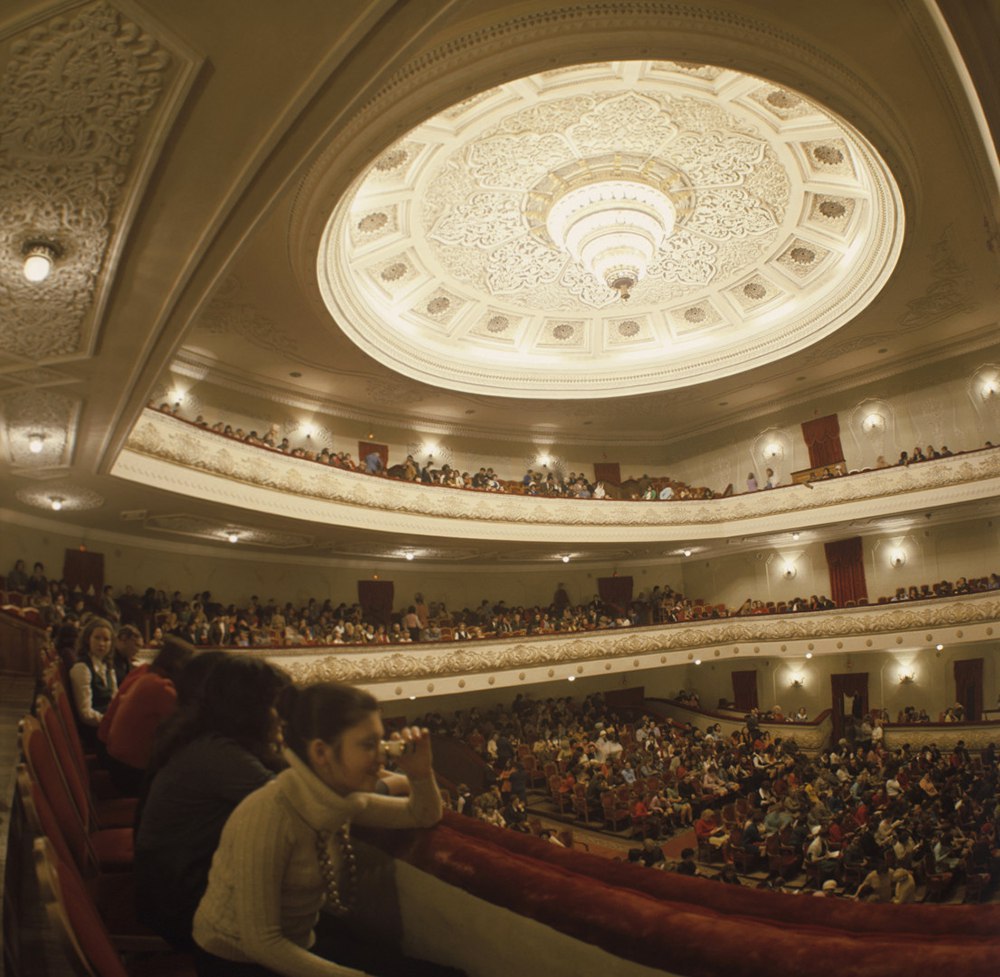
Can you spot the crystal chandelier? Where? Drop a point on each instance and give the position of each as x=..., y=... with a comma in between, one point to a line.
x=612, y=228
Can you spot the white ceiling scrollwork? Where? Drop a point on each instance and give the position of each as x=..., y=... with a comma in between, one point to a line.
x=493, y=248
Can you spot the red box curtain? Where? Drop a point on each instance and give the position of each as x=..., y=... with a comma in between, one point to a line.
x=822, y=438
x=615, y=591
x=375, y=598
x=845, y=560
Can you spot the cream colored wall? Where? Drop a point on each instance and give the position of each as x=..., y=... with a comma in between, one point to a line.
x=932, y=688
x=934, y=552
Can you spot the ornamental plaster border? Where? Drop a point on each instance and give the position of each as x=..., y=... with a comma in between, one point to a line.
x=172, y=454
x=467, y=666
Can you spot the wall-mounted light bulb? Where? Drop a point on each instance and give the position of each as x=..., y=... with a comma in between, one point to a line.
x=873, y=422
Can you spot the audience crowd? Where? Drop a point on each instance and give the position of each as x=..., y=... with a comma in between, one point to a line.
x=547, y=483
x=857, y=820
x=205, y=621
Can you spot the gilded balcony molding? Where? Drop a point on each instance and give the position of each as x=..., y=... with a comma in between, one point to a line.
x=469, y=666
x=173, y=454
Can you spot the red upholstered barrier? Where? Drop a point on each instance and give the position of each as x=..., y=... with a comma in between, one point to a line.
x=694, y=927
x=839, y=914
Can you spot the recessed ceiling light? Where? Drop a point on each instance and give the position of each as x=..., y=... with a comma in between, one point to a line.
x=408, y=554
x=940, y=647
x=687, y=552
x=697, y=661
x=795, y=535
x=571, y=678
x=35, y=443
x=39, y=258
x=233, y=537
x=809, y=654
x=565, y=559
x=56, y=502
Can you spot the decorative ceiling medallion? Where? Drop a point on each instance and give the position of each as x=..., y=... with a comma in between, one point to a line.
x=85, y=98
x=40, y=428
x=182, y=524
x=729, y=220
x=61, y=498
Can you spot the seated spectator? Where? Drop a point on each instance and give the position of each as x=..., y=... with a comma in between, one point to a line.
x=220, y=746
x=145, y=699
x=17, y=579
x=92, y=679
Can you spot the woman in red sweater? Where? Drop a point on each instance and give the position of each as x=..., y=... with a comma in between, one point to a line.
x=146, y=698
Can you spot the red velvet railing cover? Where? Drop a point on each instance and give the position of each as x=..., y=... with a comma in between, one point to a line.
x=697, y=927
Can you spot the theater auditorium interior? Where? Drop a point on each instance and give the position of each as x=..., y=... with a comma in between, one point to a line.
x=701, y=299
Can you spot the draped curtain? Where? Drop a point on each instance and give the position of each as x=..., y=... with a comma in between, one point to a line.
x=375, y=598
x=745, y=690
x=822, y=438
x=608, y=471
x=850, y=700
x=616, y=591
x=845, y=561
x=969, y=687
x=84, y=570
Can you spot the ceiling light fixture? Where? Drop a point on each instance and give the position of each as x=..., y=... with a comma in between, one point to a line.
x=565, y=559
x=687, y=552
x=809, y=654
x=233, y=537
x=39, y=257
x=56, y=502
x=35, y=443
x=612, y=228
x=408, y=554
x=795, y=535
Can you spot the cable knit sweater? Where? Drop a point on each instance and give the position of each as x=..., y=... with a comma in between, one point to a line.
x=265, y=889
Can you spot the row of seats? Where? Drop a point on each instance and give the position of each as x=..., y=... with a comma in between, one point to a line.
x=84, y=846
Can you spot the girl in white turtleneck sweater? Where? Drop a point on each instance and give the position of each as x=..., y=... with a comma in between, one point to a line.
x=285, y=850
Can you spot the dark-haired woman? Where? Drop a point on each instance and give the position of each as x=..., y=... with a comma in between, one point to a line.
x=219, y=747
x=93, y=679
x=286, y=849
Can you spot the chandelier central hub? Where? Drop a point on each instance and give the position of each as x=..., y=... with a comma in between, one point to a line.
x=612, y=228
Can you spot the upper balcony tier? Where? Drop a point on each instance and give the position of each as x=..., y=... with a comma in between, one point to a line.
x=170, y=453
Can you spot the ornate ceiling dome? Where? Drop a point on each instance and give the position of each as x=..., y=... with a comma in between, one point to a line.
x=610, y=229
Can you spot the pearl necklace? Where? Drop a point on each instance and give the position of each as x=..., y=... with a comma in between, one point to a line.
x=340, y=907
